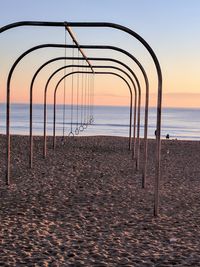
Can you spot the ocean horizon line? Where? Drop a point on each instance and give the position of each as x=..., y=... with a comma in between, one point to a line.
x=125, y=106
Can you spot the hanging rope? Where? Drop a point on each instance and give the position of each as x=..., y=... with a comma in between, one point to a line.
x=85, y=102
x=82, y=90
x=72, y=95
x=92, y=100
x=64, y=91
x=77, y=100
x=88, y=100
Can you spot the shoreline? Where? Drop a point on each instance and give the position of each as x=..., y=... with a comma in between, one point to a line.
x=100, y=135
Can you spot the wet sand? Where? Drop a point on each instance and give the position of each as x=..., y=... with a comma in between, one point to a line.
x=84, y=206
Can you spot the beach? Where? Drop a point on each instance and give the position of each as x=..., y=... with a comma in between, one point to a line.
x=84, y=205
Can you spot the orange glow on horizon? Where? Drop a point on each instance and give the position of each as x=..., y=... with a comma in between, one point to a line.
x=109, y=90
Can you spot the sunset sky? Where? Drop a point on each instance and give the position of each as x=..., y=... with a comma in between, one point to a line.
x=171, y=27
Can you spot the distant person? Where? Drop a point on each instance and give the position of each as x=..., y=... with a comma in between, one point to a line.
x=155, y=133
x=167, y=136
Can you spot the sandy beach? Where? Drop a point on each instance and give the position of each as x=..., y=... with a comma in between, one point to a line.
x=84, y=206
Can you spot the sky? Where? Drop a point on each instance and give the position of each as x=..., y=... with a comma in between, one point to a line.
x=171, y=27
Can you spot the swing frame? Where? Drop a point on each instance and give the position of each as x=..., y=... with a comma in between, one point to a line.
x=94, y=67
x=96, y=47
x=159, y=96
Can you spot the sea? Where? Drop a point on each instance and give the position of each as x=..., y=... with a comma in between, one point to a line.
x=179, y=123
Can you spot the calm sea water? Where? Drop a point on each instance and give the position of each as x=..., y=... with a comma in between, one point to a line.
x=108, y=120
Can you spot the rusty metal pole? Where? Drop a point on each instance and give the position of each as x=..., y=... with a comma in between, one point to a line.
x=54, y=121
x=8, y=133
x=134, y=124
x=74, y=39
x=31, y=115
x=138, y=134
x=45, y=118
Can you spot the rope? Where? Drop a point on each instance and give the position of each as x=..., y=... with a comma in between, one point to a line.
x=82, y=89
x=64, y=90
x=85, y=103
x=77, y=100
x=88, y=112
x=72, y=95
x=92, y=100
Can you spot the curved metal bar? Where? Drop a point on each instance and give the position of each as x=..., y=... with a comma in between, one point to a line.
x=31, y=23
x=69, y=66
x=65, y=76
x=159, y=75
x=82, y=46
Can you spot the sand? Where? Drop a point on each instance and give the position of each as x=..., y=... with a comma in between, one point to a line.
x=84, y=206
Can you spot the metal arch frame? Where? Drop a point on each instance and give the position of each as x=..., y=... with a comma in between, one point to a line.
x=93, y=66
x=111, y=60
x=159, y=76
x=139, y=99
x=87, y=47
x=97, y=59
x=76, y=72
